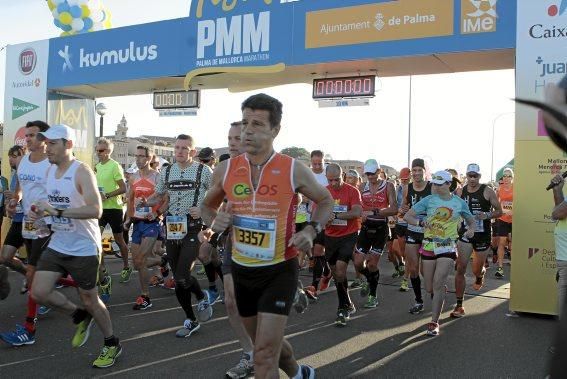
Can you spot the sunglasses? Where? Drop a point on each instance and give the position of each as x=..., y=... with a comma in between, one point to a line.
x=474, y=176
x=333, y=180
x=141, y=156
x=506, y=176
x=100, y=150
x=370, y=173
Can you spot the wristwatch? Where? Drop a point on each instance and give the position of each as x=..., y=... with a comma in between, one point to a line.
x=317, y=226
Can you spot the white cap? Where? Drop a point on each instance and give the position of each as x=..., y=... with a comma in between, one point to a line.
x=371, y=166
x=441, y=177
x=473, y=167
x=59, y=132
x=131, y=170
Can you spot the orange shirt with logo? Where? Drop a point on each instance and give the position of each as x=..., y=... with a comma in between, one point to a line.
x=141, y=188
x=263, y=219
x=506, y=198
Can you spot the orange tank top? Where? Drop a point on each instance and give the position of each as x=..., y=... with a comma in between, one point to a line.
x=263, y=219
x=506, y=198
x=141, y=188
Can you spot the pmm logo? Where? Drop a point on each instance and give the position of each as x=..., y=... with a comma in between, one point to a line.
x=27, y=61
x=243, y=190
x=478, y=16
x=532, y=251
x=241, y=35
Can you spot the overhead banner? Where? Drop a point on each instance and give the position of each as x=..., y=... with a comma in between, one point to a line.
x=540, y=59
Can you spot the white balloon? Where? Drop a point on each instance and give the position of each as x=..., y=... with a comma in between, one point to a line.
x=57, y=2
x=72, y=2
x=97, y=15
x=77, y=24
x=83, y=2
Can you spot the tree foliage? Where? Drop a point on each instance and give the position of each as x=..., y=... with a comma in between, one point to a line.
x=296, y=152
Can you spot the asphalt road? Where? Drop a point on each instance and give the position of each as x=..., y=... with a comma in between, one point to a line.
x=383, y=342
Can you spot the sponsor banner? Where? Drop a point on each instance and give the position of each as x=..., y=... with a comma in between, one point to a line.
x=408, y=19
x=539, y=60
x=79, y=114
x=478, y=16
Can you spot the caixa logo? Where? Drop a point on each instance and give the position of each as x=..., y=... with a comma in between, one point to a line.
x=129, y=54
x=540, y=31
x=27, y=61
x=243, y=190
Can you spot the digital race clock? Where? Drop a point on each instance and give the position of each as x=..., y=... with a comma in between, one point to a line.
x=351, y=86
x=176, y=99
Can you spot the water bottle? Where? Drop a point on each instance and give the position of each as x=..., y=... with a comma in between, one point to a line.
x=42, y=230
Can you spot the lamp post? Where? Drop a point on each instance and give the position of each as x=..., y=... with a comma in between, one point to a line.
x=492, y=145
x=101, y=110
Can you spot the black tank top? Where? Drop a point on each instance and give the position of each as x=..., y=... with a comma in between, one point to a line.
x=478, y=204
x=414, y=196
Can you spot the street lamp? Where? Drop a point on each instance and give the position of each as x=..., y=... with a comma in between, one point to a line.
x=101, y=110
x=492, y=145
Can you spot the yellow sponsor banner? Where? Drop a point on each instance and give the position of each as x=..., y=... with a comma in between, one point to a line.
x=478, y=16
x=533, y=286
x=398, y=20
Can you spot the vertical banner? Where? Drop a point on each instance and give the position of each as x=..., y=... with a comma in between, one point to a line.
x=540, y=59
x=79, y=114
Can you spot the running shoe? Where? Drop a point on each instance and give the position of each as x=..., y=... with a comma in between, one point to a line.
x=214, y=296
x=105, y=289
x=404, y=287
x=364, y=289
x=300, y=301
x=356, y=283
x=243, y=369
x=307, y=372
x=107, y=356
x=351, y=309
x=4, y=283
x=24, y=288
x=125, y=275
x=342, y=317
x=204, y=308
x=402, y=269
x=189, y=327
x=479, y=282
x=432, y=329
x=458, y=312
x=43, y=310
x=416, y=308
x=169, y=284
x=499, y=273
x=156, y=280
x=311, y=293
x=83, y=332
x=324, y=283
x=372, y=302
x=19, y=337
x=142, y=303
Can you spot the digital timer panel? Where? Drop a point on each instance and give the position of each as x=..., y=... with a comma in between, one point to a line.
x=176, y=99
x=351, y=86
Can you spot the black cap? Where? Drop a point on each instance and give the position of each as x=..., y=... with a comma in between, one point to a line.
x=418, y=162
x=206, y=153
x=224, y=157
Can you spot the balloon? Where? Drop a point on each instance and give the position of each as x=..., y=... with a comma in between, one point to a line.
x=88, y=23
x=51, y=5
x=63, y=7
x=76, y=11
x=73, y=2
x=55, y=14
x=57, y=2
x=66, y=28
x=65, y=18
x=58, y=23
x=77, y=24
x=83, y=2
x=85, y=11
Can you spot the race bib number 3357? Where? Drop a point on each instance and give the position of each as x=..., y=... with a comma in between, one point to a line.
x=254, y=237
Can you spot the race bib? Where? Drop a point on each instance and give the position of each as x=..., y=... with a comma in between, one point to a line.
x=63, y=224
x=176, y=227
x=479, y=223
x=255, y=237
x=339, y=209
x=507, y=207
x=142, y=212
x=415, y=228
x=443, y=247
x=29, y=231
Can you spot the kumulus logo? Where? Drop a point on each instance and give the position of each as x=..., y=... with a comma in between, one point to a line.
x=129, y=54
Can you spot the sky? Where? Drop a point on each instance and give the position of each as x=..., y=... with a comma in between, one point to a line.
x=454, y=117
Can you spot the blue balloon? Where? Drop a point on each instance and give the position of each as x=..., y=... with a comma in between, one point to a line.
x=66, y=28
x=88, y=23
x=76, y=11
x=57, y=23
x=63, y=7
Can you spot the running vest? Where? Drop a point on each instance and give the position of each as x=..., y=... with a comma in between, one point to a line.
x=506, y=198
x=142, y=188
x=31, y=177
x=412, y=197
x=80, y=238
x=477, y=204
x=375, y=201
x=400, y=200
x=263, y=219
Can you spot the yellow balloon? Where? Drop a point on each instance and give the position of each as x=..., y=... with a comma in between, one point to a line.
x=65, y=34
x=51, y=5
x=107, y=24
x=66, y=18
x=86, y=11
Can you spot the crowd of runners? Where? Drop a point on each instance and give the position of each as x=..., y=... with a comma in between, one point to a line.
x=253, y=218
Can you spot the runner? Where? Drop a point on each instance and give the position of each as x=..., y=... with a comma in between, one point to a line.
x=30, y=188
x=483, y=204
x=402, y=225
x=207, y=156
x=353, y=178
x=111, y=185
x=75, y=247
x=341, y=234
x=146, y=223
x=378, y=203
x=184, y=183
x=503, y=225
x=260, y=187
x=418, y=189
x=444, y=212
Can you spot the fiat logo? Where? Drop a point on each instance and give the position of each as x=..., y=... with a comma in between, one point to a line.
x=28, y=59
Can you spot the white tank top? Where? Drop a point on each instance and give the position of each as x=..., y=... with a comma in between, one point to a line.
x=71, y=236
x=31, y=177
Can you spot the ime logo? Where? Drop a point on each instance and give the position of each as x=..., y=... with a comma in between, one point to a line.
x=554, y=10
